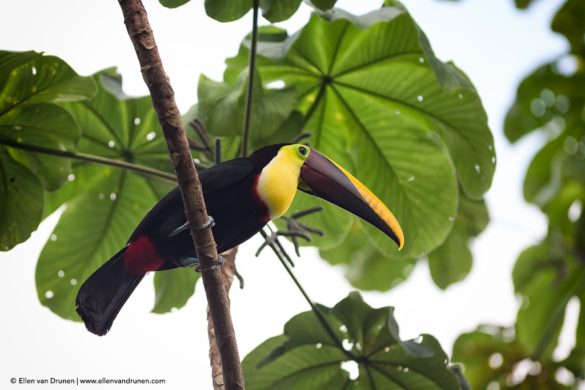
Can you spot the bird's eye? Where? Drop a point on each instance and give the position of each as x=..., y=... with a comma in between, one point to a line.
x=303, y=151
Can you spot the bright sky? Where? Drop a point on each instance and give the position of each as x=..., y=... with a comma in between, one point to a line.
x=490, y=40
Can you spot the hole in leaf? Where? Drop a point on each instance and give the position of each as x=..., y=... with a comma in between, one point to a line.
x=276, y=84
x=564, y=376
x=496, y=360
x=575, y=210
x=352, y=368
x=493, y=386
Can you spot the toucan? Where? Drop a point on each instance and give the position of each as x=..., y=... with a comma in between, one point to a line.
x=241, y=195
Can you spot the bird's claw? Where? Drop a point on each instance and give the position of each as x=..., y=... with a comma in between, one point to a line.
x=209, y=223
x=216, y=265
x=272, y=241
x=298, y=230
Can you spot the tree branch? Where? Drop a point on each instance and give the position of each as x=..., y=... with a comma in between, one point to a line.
x=162, y=95
x=89, y=158
x=228, y=270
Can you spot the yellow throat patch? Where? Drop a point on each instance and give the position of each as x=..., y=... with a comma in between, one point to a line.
x=279, y=179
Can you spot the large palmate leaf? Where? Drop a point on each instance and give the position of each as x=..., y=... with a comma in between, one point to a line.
x=376, y=103
x=20, y=207
x=29, y=83
x=94, y=226
x=306, y=356
x=104, y=204
x=221, y=107
x=452, y=261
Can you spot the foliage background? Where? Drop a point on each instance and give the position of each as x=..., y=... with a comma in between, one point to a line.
x=494, y=44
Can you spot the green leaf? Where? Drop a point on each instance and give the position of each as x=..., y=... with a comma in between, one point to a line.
x=279, y=10
x=19, y=202
x=575, y=362
x=523, y=4
x=103, y=204
x=366, y=267
x=546, y=281
x=94, y=226
x=323, y=5
x=569, y=22
x=360, y=80
x=29, y=82
x=542, y=181
x=31, y=77
x=306, y=357
x=227, y=10
x=492, y=356
x=452, y=261
x=45, y=125
x=221, y=107
x=546, y=99
x=173, y=3
x=173, y=289
x=230, y=10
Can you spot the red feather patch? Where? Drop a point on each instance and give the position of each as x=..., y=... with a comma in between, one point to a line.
x=142, y=257
x=258, y=199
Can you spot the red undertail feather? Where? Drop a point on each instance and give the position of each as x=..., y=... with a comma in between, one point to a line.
x=141, y=257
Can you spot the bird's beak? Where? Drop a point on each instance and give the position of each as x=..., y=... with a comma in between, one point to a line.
x=323, y=178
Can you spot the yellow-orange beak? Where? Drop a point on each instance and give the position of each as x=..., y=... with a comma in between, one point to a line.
x=323, y=178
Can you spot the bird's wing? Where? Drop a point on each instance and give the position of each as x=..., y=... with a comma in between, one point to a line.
x=168, y=213
x=224, y=175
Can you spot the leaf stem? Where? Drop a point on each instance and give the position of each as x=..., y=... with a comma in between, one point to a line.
x=280, y=252
x=251, y=74
x=89, y=158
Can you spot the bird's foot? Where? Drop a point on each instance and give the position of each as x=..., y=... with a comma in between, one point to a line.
x=216, y=265
x=271, y=240
x=189, y=262
x=209, y=223
x=298, y=229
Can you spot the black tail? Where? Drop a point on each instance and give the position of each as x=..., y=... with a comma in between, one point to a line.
x=104, y=293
